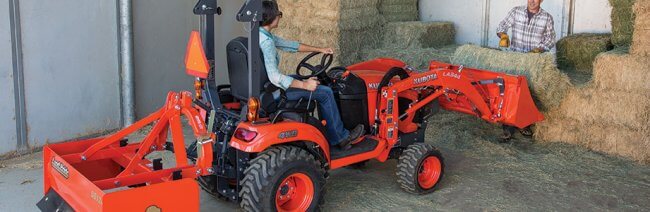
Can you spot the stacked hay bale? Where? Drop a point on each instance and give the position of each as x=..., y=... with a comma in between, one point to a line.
x=415, y=42
x=416, y=57
x=622, y=22
x=577, y=52
x=418, y=34
x=617, y=70
x=345, y=25
x=399, y=10
x=548, y=84
x=612, y=114
x=358, y=30
x=610, y=121
x=641, y=38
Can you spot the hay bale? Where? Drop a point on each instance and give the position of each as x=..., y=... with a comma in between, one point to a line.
x=416, y=57
x=641, y=37
x=345, y=25
x=340, y=4
x=622, y=22
x=548, y=84
x=594, y=106
x=578, y=51
x=399, y=10
x=616, y=70
x=603, y=137
x=416, y=34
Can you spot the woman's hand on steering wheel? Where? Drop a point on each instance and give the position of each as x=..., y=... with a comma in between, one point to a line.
x=327, y=51
x=315, y=70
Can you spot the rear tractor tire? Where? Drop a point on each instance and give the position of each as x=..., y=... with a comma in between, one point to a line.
x=420, y=168
x=283, y=178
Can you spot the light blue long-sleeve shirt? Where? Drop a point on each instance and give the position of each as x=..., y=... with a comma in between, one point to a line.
x=268, y=44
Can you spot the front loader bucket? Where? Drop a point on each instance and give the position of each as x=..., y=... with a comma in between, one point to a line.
x=508, y=97
x=111, y=174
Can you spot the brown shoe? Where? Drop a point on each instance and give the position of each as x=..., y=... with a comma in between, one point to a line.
x=357, y=132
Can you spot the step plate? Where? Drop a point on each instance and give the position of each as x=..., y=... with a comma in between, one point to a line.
x=367, y=145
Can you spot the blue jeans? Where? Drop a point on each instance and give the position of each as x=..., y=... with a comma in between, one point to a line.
x=327, y=110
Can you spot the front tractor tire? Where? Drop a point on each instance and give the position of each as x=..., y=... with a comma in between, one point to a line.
x=283, y=178
x=420, y=168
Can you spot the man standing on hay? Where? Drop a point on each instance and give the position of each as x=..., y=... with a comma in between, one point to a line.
x=532, y=29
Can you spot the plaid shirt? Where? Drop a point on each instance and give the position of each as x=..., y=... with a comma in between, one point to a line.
x=538, y=32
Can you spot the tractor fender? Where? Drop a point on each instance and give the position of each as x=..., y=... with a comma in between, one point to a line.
x=284, y=132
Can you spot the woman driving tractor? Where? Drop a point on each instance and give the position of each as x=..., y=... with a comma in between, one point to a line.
x=295, y=89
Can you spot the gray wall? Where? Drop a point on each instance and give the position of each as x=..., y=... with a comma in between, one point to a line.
x=70, y=58
x=70, y=68
x=7, y=113
x=161, y=31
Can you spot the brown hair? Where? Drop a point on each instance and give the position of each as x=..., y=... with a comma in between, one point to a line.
x=270, y=11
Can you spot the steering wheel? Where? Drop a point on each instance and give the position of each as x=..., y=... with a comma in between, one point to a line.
x=317, y=70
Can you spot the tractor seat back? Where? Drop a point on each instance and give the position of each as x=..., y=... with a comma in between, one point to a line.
x=237, y=56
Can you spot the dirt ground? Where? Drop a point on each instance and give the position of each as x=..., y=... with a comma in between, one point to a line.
x=481, y=174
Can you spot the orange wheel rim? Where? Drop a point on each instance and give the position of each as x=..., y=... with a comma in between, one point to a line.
x=429, y=173
x=295, y=193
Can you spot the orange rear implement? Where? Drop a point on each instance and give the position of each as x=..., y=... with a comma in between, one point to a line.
x=110, y=174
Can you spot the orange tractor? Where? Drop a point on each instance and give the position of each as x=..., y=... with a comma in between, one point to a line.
x=268, y=154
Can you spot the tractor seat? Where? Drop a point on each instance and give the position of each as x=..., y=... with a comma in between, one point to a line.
x=237, y=56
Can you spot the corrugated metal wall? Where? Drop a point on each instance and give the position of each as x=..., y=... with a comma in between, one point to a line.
x=7, y=113
x=476, y=20
x=161, y=31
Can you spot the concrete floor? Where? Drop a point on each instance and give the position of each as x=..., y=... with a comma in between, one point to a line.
x=481, y=175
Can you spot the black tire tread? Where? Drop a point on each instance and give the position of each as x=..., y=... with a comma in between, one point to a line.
x=408, y=167
x=257, y=182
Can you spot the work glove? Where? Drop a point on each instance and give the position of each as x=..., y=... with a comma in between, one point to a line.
x=505, y=41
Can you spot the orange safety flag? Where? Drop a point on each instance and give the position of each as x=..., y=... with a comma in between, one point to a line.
x=196, y=64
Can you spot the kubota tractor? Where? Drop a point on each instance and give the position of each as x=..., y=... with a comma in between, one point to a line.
x=269, y=154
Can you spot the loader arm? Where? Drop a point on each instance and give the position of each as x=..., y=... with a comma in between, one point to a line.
x=491, y=96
